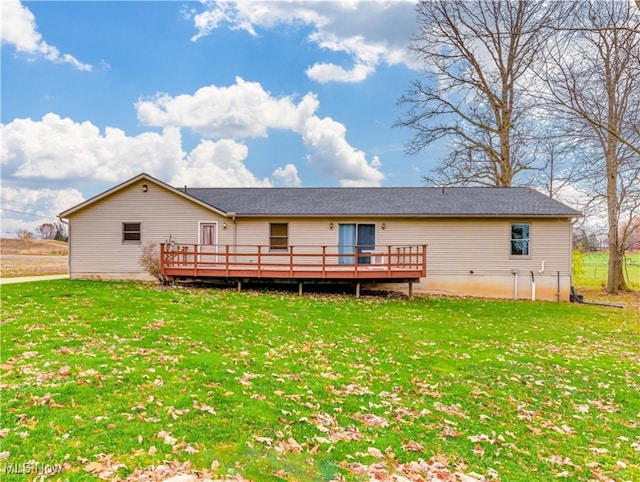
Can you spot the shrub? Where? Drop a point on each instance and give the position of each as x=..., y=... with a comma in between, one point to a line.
x=150, y=260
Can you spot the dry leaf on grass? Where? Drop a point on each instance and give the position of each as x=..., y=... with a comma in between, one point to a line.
x=413, y=446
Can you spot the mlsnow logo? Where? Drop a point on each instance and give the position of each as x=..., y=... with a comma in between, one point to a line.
x=31, y=467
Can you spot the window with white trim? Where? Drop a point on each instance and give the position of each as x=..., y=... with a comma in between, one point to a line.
x=520, y=239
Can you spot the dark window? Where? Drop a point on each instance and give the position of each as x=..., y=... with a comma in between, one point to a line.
x=131, y=233
x=279, y=236
x=520, y=239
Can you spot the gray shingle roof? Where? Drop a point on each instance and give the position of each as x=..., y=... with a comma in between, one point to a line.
x=388, y=201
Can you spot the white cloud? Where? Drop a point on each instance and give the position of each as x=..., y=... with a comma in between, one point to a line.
x=245, y=15
x=43, y=204
x=368, y=32
x=324, y=73
x=60, y=149
x=241, y=110
x=217, y=164
x=335, y=158
x=19, y=29
x=287, y=176
x=246, y=110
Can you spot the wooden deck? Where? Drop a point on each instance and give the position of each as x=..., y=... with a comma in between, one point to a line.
x=400, y=264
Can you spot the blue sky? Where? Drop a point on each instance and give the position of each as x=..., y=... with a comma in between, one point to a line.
x=200, y=93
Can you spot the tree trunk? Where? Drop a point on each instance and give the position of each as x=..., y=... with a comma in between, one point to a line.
x=615, y=278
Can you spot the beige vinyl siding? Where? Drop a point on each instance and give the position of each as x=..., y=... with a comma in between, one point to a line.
x=96, y=244
x=455, y=246
x=472, y=256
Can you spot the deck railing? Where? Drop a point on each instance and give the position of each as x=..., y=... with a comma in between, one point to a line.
x=294, y=262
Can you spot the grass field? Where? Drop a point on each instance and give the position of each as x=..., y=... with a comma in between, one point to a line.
x=117, y=380
x=596, y=268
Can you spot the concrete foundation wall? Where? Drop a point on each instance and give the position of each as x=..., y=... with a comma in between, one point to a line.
x=491, y=286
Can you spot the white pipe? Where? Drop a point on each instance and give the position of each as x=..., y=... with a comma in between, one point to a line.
x=541, y=270
x=533, y=287
x=515, y=286
x=533, y=291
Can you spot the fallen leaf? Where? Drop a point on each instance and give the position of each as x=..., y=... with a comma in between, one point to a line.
x=375, y=452
x=478, y=450
x=94, y=467
x=412, y=446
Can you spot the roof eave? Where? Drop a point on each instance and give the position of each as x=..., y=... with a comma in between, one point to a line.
x=410, y=215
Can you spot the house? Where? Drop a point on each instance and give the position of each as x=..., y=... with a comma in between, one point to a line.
x=492, y=242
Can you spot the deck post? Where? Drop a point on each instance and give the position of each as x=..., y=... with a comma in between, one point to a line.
x=259, y=261
x=226, y=260
x=239, y=286
x=195, y=260
x=162, y=259
x=410, y=290
x=389, y=260
x=358, y=289
x=424, y=260
x=355, y=263
x=291, y=263
x=300, y=288
x=324, y=262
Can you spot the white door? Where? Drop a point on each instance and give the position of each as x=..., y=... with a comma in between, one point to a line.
x=208, y=243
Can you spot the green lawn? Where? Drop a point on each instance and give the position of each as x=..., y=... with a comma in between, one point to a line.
x=106, y=379
x=595, y=270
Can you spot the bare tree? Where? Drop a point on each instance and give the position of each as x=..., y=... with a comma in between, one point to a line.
x=46, y=231
x=61, y=232
x=478, y=57
x=24, y=234
x=593, y=78
x=632, y=230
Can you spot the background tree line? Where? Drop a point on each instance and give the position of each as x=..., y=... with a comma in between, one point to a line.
x=544, y=94
x=56, y=231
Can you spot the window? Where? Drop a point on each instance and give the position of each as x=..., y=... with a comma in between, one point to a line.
x=520, y=238
x=131, y=233
x=278, y=236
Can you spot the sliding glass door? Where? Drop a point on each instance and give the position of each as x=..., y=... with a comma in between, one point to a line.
x=352, y=236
